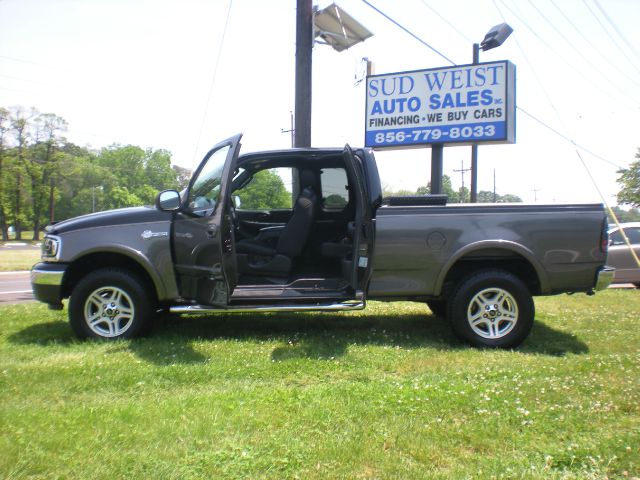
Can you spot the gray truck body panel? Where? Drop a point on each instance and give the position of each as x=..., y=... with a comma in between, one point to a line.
x=417, y=246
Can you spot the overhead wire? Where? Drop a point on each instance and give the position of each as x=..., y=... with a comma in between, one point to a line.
x=212, y=83
x=594, y=47
x=564, y=60
x=435, y=12
x=577, y=149
x=613, y=40
x=575, y=49
x=615, y=27
x=406, y=30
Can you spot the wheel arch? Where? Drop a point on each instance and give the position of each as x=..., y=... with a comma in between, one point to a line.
x=115, y=258
x=493, y=254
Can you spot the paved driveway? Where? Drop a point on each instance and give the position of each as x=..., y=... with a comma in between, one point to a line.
x=15, y=287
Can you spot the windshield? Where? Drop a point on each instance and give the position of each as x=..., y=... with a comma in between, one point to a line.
x=205, y=191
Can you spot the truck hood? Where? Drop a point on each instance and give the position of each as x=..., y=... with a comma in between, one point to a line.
x=121, y=216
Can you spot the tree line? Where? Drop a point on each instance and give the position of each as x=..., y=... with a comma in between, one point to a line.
x=461, y=195
x=46, y=178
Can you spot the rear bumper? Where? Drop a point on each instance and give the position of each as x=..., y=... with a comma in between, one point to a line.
x=46, y=282
x=604, y=278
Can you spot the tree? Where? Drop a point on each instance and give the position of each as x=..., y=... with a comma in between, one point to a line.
x=629, y=179
x=4, y=133
x=183, y=175
x=266, y=191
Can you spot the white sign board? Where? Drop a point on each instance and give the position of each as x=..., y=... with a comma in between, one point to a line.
x=455, y=105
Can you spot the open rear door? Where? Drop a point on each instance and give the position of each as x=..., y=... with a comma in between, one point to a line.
x=203, y=230
x=363, y=235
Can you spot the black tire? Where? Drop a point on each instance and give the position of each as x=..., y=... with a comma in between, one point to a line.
x=637, y=285
x=492, y=308
x=438, y=307
x=111, y=304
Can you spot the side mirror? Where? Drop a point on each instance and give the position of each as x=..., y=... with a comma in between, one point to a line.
x=236, y=201
x=168, y=201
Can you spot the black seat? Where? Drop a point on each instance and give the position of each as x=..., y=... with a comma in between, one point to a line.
x=272, y=251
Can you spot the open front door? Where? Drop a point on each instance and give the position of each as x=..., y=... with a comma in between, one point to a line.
x=363, y=235
x=203, y=230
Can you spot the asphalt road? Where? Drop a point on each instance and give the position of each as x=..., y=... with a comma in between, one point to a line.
x=15, y=287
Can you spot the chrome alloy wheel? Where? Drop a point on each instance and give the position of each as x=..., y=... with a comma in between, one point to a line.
x=109, y=311
x=492, y=313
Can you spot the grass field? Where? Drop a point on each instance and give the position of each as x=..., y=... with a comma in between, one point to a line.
x=12, y=259
x=385, y=393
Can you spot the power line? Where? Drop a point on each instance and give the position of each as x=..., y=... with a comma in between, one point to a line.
x=615, y=27
x=568, y=139
x=585, y=58
x=613, y=40
x=409, y=32
x=554, y=51
x=213, y=81
x=595, y=48
x=446, y=21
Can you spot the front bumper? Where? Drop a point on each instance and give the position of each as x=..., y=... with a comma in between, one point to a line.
x=604, y=278
x=46, y=282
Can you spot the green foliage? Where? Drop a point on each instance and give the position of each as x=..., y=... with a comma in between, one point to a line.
x=629, y=180
x=631, y=215
x=45, y=178
x=460, y=196
x=266, y=191
x=385, y=393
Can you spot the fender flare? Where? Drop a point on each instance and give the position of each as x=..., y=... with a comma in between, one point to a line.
x=135, y=256
x=511, y=246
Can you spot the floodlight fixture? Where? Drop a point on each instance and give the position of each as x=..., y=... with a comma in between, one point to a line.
x=338, y=29
x=496, y=36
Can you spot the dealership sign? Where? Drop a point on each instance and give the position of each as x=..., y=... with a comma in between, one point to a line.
x=454, y=105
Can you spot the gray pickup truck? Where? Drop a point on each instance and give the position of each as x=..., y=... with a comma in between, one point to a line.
x=329, y=243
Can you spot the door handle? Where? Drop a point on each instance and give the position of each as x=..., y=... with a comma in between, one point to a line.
x=212, y=231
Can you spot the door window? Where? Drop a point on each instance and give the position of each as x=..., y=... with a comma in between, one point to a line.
x=205, y=189
x=335, y=193
x=269, y=189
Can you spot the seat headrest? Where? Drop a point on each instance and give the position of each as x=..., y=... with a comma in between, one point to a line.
x=307, y=178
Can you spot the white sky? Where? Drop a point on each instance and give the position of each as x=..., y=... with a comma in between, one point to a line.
x=140, y=72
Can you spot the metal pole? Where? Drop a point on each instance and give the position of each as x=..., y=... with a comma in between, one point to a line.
x=304, y=47
x=436, y=168
x=474, y=148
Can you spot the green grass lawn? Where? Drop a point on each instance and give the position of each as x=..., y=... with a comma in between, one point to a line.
x=385, y=393
x=12, y=259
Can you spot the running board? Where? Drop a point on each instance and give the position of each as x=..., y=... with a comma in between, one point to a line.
x=332, y=307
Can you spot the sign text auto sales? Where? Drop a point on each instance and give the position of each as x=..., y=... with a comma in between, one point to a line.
x=462, y=104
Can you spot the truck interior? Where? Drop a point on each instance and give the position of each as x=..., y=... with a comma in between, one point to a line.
x=293, y=220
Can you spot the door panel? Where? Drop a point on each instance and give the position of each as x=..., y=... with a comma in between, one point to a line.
x=363, y=235
x=203, y=230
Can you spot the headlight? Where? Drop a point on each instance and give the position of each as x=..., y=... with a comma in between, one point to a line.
x=51, y=248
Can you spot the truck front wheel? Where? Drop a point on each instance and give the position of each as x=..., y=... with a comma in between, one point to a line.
x=492, y=308
x=110, y=304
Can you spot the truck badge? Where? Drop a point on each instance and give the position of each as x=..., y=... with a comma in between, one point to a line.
x=147, y=234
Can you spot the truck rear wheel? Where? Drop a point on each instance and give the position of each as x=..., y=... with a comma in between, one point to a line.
x=492, y=308
x=110, y=304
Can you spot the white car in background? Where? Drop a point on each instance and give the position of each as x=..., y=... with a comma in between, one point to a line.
x=620, y=256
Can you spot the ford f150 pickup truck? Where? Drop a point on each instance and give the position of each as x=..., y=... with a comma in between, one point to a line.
x=332, y=243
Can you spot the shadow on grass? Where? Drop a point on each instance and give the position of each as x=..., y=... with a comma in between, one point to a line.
x=305, y=335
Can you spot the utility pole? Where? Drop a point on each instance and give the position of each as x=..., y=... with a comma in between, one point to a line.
x=291, y=131
x=304, y=50
x=462, y=172
x=494, y=185
x=535, y=193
